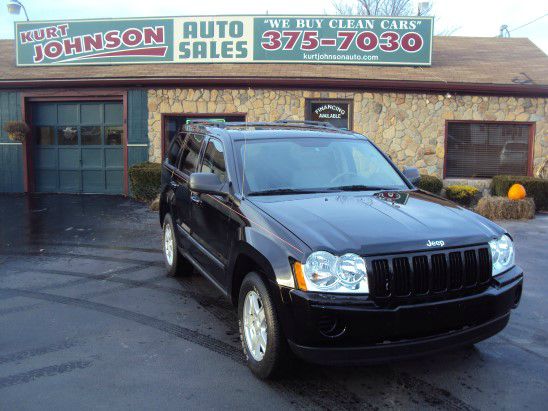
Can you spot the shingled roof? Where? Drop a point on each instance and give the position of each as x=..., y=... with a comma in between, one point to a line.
x=508, y=65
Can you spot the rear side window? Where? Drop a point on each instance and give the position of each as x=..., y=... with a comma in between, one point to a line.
x=191, y=152
x=214, y=160
x=173, y=152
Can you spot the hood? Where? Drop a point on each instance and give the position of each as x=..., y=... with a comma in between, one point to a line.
x=377, y=223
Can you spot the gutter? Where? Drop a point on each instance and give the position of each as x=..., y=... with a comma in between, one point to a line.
x=532, y=90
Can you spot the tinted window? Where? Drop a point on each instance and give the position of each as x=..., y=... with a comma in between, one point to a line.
x=214, y=161
x=191, y=151
x=173, y=152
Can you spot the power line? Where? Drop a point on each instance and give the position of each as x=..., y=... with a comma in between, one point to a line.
x=531, y=22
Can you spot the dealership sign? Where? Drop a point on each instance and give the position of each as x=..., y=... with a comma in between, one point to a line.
x=227, y=39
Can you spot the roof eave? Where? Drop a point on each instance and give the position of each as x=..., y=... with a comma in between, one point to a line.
x=281, y=82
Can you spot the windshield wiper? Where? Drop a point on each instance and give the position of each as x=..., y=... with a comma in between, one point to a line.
x=281, y=191
x=361, y=187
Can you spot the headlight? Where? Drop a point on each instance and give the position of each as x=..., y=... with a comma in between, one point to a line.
x=328, y=273
x=502, y=254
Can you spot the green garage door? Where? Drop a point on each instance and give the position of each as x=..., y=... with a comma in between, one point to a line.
x=78, y=147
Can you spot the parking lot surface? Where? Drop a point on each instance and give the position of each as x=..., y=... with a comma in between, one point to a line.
x=89, y=320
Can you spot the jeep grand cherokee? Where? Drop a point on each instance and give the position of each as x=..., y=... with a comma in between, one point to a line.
x=327, y=249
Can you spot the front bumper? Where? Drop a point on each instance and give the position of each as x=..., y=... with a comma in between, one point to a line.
x=339, y=329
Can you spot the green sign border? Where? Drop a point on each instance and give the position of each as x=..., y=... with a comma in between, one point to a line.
x=172, y=44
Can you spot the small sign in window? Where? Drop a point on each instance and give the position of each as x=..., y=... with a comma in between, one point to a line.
x=336, y=113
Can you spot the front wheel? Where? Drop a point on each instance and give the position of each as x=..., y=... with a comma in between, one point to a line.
x=262, y=339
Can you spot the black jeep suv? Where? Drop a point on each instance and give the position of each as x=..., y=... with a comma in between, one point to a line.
x=327, y=249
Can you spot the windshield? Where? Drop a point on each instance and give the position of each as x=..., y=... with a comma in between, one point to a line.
x=310, y=164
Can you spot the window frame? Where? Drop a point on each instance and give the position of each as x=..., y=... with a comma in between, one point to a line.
x=530, y=142
x=308, y=108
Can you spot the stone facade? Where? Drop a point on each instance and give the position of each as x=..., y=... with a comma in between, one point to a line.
x=409, y=127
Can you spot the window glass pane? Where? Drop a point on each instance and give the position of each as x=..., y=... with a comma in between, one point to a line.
x=335, y=112
x=483, y=150
x=67, y=136
x=44, y=136
x=191, y=150
x=173, y=152
x=214, y=161
x=113, y=136
x=91, y=135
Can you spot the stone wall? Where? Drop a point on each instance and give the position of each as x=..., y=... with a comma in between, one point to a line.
x=409, y=127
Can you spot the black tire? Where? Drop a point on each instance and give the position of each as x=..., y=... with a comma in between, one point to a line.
x=275, y=361
x=178, y=265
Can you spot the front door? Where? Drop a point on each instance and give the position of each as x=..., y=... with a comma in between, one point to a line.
x=78, y=147
x=210, y=216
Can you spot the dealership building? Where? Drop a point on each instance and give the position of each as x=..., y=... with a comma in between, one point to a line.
x=475, y=108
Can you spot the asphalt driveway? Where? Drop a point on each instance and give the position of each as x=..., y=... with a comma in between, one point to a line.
x=89, y=320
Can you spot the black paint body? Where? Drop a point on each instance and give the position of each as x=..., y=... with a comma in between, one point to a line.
x=226, y=236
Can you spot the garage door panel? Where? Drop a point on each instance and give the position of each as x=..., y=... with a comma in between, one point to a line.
x=47, y=181
x=91, y=113
x=93, y=181
x=44, y=114
x=113, y=113
x=92, y=158
x=69, y=158
x=69, y=181
x=114, y=181
x=114, y=157
x=46, y=157
x=67, y=114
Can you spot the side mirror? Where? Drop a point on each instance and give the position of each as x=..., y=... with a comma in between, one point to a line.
x=412, y=174
x=206, y=183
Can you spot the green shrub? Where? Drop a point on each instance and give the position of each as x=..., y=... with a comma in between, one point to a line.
x=430, y=183
x=461, y=194
x=537, y=188
x=502, y=208
x=145, y=180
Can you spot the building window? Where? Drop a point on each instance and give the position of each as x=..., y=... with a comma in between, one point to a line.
x=172, y=123
x=486, y=149
x=336, y=112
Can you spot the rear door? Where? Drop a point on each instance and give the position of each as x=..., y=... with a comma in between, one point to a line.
x=210, y=216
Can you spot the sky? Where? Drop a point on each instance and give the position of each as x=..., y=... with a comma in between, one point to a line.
x=464, y=17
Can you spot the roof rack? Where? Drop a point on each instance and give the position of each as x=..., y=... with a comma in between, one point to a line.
x=324, y=124
x=296, y=123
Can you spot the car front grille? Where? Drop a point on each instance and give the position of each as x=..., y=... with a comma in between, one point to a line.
x=429, y=275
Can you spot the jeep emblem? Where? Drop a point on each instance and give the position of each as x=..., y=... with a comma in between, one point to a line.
x=438, y=243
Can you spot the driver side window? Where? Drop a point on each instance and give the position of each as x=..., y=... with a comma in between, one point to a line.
x=214, y=160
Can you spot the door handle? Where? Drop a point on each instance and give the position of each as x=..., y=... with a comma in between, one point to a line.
x=195, y=198
x=173, y=184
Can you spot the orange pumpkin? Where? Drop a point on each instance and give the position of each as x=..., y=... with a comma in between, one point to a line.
x=517, y=192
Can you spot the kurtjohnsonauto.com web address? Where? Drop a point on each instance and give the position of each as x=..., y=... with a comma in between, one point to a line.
x=346, y=57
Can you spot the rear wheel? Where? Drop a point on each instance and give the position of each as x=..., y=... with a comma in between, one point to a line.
x=176, y=264
x=262, y=339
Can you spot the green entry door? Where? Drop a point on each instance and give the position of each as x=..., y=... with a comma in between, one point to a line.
x=78, y=147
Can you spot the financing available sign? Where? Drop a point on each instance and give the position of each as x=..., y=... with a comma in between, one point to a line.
x=227, y=39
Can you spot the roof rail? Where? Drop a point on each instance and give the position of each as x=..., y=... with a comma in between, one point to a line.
x=296, y=123
x=325, y=124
